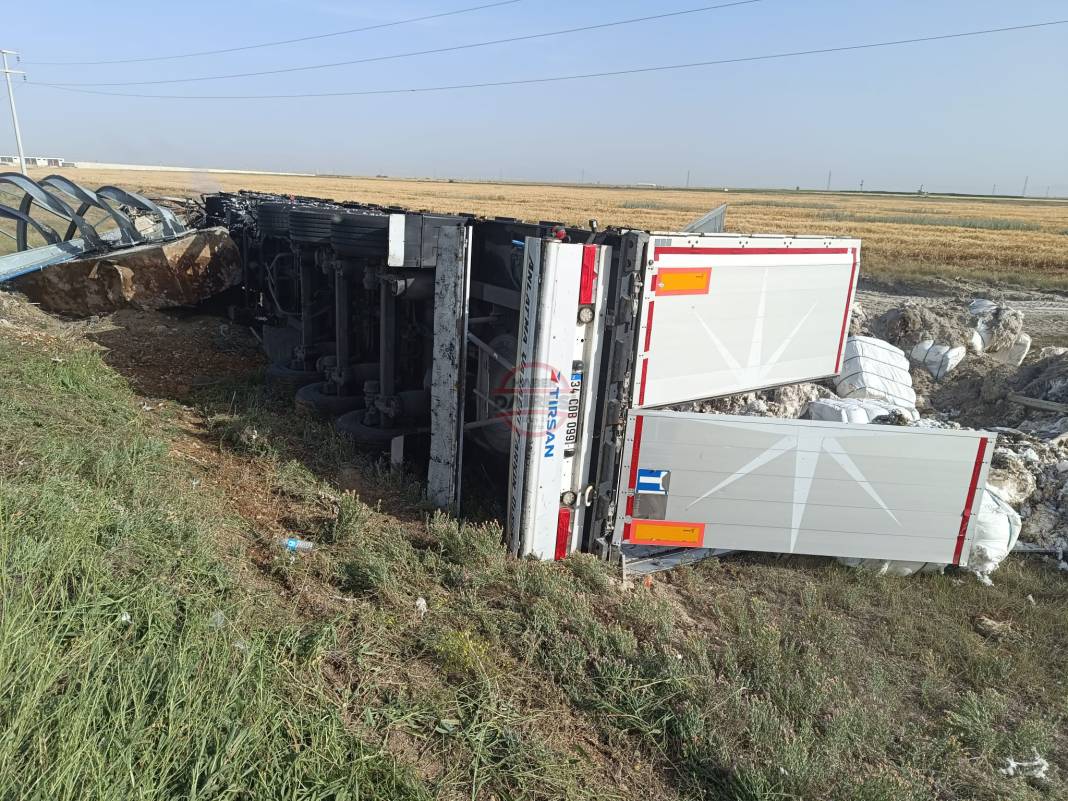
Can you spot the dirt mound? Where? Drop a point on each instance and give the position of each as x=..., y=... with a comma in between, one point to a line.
x=1033, y=476
x=944, y=322
x=975, y=394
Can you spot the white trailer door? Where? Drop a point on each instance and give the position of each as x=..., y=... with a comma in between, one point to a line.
x=801, y=486
x=723, y=314
x=551, y=415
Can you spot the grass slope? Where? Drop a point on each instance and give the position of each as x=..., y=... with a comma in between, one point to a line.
x=155, y=643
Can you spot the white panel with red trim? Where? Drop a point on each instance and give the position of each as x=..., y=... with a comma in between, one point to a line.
x=801, y=486
x=723, y=314
x=561, y=322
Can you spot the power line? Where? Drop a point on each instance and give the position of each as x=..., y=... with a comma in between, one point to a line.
x=580, y=76
x=411, y=53
x=277, y=42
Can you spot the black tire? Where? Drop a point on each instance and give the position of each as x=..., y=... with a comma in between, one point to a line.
x=274, y=219
x=311, y=225
x=278, y=342
x=282, y=377
x=351, y=425
x=314, y=400
x=358, y=235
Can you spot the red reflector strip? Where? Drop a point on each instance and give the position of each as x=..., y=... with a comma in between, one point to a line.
x=967, y=513
x=683, y=251
x=639, y=423
x=845, y=314
x=589, y=274
x=649, y=326
x=645, y=360
x=563, y=532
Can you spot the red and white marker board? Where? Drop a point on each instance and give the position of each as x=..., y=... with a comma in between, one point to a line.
x=723, y=313
x=801, y=486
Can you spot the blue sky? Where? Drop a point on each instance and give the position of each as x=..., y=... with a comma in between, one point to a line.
x=958, y=115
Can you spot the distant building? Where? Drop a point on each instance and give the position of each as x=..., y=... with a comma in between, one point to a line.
x=36, y=161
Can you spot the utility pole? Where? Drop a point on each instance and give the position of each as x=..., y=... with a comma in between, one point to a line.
x=1024, y=192
x=14, y=115
x=828, y=180
x=861, y=184
x=994, y=191
x=687, y=179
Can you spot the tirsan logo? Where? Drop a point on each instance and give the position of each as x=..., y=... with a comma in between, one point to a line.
x=552, y=415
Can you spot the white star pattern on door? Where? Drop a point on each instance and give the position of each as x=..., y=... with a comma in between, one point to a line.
x=754, y=371
x=808, y=445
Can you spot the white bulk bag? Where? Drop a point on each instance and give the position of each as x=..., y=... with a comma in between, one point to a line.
x=997, y=527
x=938, y=359
x=1014, y=355
x=853, y=410
x=876, y=370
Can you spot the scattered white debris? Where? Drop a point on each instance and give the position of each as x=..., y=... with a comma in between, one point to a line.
x=125, y=618
x=1015, y=354
x=1000, y=332
x=1034, y=768
x=980, y=307
x=420, y=607
x=892, y=568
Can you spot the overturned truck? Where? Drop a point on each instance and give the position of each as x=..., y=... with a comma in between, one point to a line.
x=537, y=367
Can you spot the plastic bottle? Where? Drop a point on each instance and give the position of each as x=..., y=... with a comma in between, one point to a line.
x=294, y=544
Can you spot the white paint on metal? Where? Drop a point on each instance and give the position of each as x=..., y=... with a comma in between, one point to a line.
x=775, y=312
x=801, y=486
x=395, y=251
x=545, y=462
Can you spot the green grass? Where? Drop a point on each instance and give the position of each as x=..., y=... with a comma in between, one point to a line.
x=658, y=205
x=155, y=646
x=980, y=223
x=916, y=273
x=788, y=204
x=127, y=667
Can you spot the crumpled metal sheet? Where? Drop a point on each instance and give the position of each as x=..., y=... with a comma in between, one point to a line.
x=158, y=275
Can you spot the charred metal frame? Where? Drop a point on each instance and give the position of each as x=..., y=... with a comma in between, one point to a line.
x=81, y=237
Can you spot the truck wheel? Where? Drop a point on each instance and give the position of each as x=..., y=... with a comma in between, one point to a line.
x=282, y=377
x=313, y=399
x=351, y=425
x=278, y=342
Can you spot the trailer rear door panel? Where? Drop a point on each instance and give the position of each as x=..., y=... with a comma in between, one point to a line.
x=800, y=486
x=722, y=314
x=550, y=387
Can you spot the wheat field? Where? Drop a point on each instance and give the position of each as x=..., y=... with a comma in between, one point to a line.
x=1012, y=240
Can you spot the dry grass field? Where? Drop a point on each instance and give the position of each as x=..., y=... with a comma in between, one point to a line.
x=905, y=236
